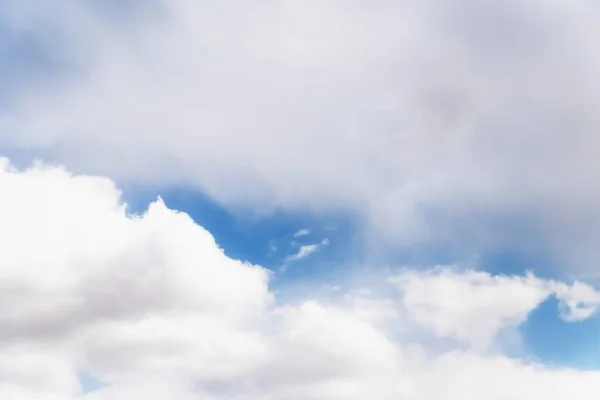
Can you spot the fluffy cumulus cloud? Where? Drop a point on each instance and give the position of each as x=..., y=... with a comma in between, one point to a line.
x=465, y=126
x=421, y=116
x=474, y=307
x=84, y=285
x=151, y=307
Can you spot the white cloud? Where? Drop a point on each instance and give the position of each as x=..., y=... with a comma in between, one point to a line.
x=151, y=306
x=302, y=232
x=458, y=305
x=303, y=252
x=97, y=289
x=306, y=250
x=579, y=301
x=420, y=116
x=474, y=307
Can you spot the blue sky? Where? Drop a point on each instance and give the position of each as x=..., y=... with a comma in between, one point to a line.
x=376, y=218
x=553, y=341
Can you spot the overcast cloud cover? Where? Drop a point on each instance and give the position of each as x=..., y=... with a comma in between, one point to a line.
x=465, y=125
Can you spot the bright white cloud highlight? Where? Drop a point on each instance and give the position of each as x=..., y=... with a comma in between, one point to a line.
x=94, y=288
x=152, y=307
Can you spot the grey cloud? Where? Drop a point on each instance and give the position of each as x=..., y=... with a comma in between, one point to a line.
x=427, y=119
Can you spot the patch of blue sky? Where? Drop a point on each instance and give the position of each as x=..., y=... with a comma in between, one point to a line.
x=517, y=262
x=555, y=342
x=546, y=337
x=89, y=383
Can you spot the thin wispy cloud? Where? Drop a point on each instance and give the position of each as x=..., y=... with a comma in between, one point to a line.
x=306, y=250
x=303, y=252
x=302, y=232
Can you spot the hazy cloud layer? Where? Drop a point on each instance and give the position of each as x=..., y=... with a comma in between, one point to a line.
x=471, y=124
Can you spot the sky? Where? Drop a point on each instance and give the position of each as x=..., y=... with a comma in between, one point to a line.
x=303, y=200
